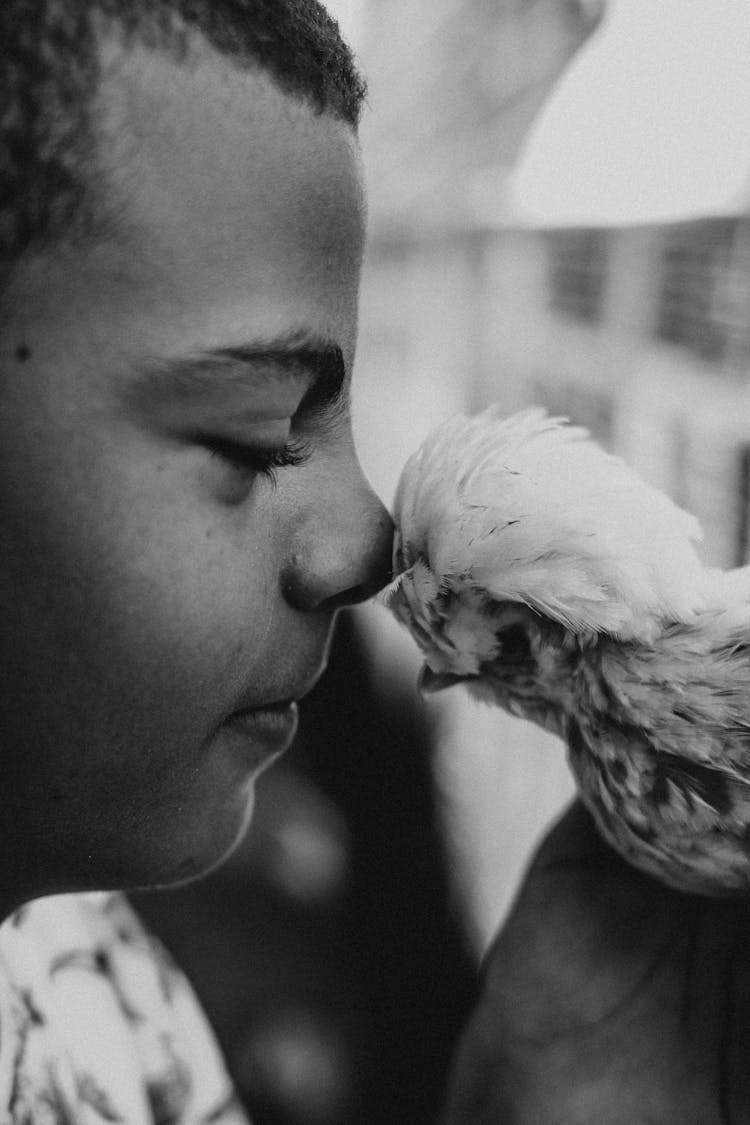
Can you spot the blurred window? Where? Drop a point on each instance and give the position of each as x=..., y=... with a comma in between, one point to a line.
x=695, y=302
x=578, y=262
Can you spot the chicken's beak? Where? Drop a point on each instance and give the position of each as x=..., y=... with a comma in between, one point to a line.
x=430, y=682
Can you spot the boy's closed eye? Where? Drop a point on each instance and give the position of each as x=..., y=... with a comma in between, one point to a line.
x=256, y=408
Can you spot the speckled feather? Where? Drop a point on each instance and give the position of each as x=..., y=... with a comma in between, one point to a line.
x=550, y=579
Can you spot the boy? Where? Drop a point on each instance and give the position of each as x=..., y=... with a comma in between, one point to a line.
x=182, y=509
x=182, y=515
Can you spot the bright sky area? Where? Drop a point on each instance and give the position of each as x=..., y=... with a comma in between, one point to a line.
x=650, y=123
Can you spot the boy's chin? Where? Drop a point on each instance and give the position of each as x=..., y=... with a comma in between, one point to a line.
x=189, y=857
x=175, y=848
x=181, y=849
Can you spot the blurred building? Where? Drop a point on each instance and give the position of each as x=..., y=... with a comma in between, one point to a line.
x=640, y=332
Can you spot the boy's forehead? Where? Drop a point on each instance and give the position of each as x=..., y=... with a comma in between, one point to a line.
x=238, y=215
x=183, y=142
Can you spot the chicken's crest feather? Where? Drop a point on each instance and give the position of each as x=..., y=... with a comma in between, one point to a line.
x=528, y=508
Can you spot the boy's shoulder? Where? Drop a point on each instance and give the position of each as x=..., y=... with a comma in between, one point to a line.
x=96, y=1022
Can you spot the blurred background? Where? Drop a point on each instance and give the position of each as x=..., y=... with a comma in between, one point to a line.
x=558, y=215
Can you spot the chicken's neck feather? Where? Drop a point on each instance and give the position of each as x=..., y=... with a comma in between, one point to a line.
x=686, y=691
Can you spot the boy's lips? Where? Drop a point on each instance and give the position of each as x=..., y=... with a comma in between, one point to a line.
x=267, y=727
x=267, y=730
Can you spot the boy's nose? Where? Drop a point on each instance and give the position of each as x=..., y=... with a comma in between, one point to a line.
x=342, y=554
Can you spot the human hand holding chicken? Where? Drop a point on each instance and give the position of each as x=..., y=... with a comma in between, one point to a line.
x=608, y=999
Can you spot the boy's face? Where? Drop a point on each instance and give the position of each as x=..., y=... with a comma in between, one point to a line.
x=153, y=581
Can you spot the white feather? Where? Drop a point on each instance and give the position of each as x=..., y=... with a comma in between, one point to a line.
x=530, y=509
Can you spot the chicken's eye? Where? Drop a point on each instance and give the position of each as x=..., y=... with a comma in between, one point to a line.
x=515, y=647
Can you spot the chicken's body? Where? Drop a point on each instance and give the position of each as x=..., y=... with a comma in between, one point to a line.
x=609, y=634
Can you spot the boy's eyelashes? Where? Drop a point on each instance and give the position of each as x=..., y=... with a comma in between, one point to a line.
x=251, y=461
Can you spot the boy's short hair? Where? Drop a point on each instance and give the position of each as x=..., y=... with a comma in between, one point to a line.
x=49, y=73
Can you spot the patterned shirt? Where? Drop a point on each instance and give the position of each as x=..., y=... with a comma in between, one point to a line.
x=97, y=1025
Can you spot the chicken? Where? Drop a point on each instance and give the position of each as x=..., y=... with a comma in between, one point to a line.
x=547, y=577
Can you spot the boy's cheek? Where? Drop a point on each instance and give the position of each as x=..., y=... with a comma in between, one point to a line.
x=116, y=560
x=133, y=604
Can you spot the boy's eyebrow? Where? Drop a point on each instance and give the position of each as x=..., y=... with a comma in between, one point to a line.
x=210, y=375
